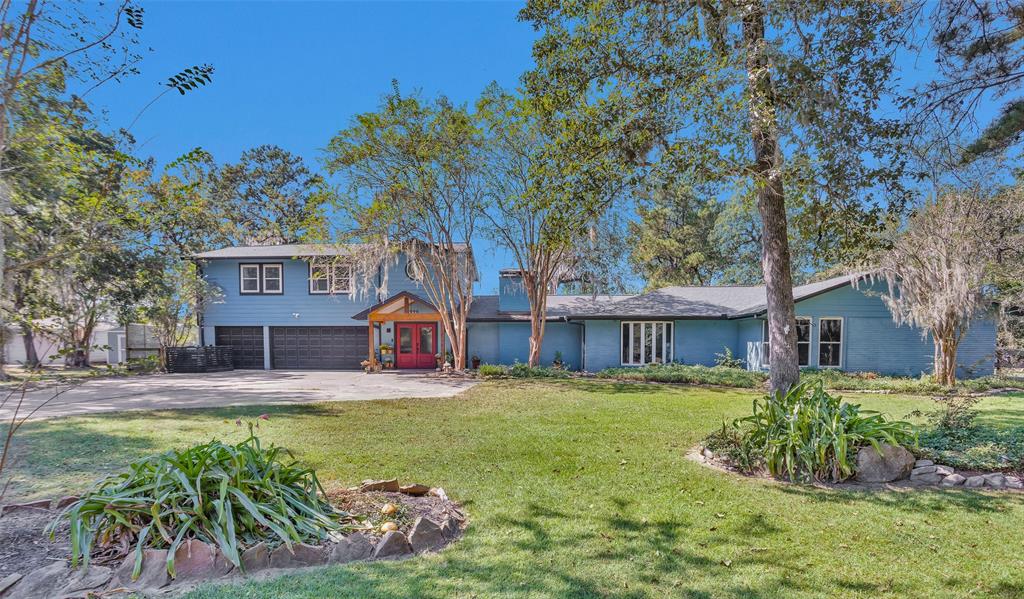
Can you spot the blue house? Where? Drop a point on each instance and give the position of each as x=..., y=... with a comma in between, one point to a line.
x=280, y=307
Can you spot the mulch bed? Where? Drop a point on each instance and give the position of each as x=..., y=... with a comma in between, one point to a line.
x=24, y=547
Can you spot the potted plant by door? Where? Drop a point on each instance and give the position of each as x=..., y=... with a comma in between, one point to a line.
x=476, y=362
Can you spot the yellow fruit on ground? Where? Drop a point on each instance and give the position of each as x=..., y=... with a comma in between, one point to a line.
x=388, y=509
x=388, y=526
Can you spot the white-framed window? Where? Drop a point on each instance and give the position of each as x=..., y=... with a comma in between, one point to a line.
x=273, y=278
x=830, y=342
x=256, y=279
x=803, y=341
x=645, y=343
x=330, y=278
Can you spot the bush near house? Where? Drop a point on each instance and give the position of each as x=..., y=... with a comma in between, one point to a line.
x=683, y=373
x=956, y=438
x=839, y=380
x=522, y=371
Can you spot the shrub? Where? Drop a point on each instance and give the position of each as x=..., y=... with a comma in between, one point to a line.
x=953, y=437
x=491, y=370
x=808, y=434
x=232, y=496
x=727, y=360
x=681, y=373
x=525, y=371
x=870, y=381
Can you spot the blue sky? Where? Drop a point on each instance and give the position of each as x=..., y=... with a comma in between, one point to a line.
x=294, y=73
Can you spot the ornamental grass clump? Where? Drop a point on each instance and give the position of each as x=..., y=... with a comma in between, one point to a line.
x=231, y=496
x=808, y=434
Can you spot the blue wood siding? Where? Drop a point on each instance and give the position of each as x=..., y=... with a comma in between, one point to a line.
x=697, y=341
x=234, y=308
x=509, y=342
x=602, y=344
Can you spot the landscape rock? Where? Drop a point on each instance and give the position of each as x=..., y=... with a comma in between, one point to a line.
x=352, y=548
x=426, y=535
x=439, y=492
x=392, y=545
x=894, y=463
x=943, y=470
x=450, y=528
x=153, y=574
x=196, y=560
x=974, y=482
x=1013, y=482
x=921, y=463
x=414, y=489
x=255, y=558
x=42, y=504
x=86, y=579
x=64, y=502
x=8, y=581
x=929, y=478
x=995, y=480
x=953, y=480
x=707, y=453
x=922, y=470
x=390, y=485
x=42, y=582
x=300, y=556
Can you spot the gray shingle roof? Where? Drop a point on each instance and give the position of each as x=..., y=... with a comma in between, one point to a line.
x=291, y=250
x=667, y=302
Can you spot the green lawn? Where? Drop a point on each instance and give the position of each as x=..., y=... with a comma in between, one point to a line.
x=582, y=489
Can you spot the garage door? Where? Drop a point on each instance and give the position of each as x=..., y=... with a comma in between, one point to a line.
x=318, y=348
x=246, y=345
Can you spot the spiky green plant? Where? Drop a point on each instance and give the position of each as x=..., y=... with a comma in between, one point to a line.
x=808, y=434
x=232, y=496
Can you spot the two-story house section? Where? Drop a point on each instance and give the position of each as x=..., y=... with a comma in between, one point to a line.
x=300, y=306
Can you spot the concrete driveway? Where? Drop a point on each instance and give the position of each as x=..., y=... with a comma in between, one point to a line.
x=236, y=388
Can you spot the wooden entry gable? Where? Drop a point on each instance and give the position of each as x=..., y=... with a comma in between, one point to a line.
x=402, y=307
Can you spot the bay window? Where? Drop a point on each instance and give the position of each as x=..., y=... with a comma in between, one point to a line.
x=646, y=343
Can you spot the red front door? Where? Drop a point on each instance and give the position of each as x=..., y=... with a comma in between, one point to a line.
x=417, y=345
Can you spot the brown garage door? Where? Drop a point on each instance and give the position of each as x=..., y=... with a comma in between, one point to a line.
x=318, y=348
x=246, y=345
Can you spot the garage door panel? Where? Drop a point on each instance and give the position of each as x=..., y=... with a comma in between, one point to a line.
x=318, y=348
x=246, y=345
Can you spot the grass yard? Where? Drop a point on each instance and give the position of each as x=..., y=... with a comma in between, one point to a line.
x=582, y=489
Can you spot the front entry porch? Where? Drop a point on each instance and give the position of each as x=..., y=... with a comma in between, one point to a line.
x=405, y=332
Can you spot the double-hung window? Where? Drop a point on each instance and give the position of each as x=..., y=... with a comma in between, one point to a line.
x=830, y=342
x=256, y=279
x=330, y=278
x=803, y=342
x=646, y=343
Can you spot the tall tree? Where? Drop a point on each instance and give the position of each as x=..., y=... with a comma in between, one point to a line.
x=38, y=36
x=530, y=209
x=757, y=95
x=939, y=271
x=414, y=169
x=273, y=197
x=979, y=55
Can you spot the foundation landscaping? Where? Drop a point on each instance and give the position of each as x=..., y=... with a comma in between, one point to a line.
x=576, y=487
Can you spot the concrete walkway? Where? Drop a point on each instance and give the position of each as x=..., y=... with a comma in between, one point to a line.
x=236, y=388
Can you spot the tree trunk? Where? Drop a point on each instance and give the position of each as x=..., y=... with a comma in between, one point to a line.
x=771, y=204
x=28, y=337
x=536, y=336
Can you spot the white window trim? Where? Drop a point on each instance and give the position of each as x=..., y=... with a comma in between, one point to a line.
x=241, y=279
x=810, y=341
x=667, y=342
x=326, y=278
x=279, y=278
x=331, y=280
x=842, y=337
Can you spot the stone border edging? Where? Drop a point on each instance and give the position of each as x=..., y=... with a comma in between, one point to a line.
x=198, y=562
